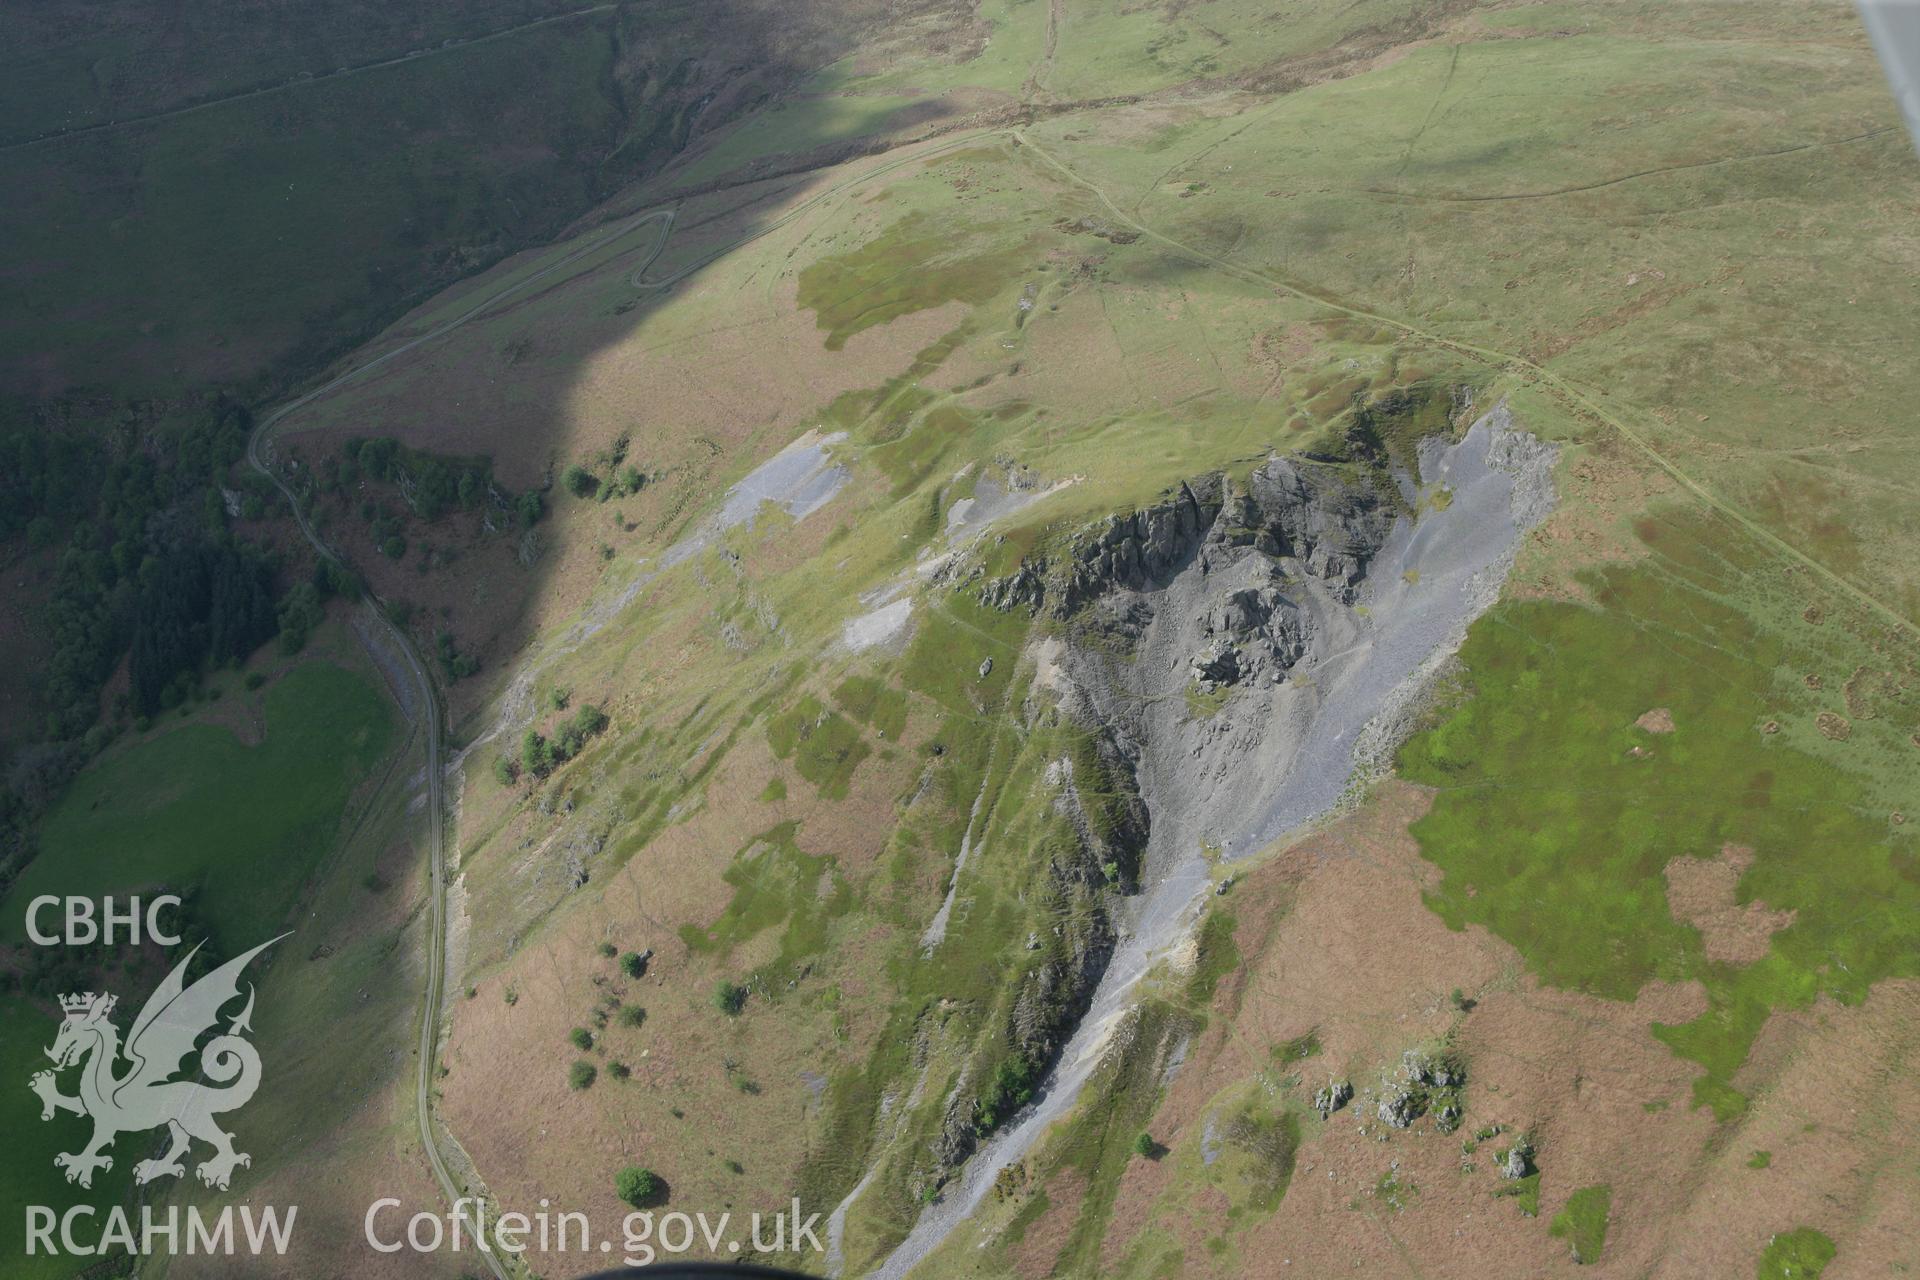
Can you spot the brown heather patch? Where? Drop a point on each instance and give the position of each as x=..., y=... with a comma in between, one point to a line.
x=1038, y=1252
x=507, y=1095
x=1106, y=351
x=508, y=1100
x=1703, y=892
x=1337, y=941
x=1658, y=720
x=1602, y=488
x=1828, y=1108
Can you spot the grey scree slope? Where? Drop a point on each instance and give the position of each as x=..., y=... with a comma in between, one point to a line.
x=1277, y=757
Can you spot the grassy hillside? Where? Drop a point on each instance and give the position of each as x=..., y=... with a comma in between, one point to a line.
x=197, y=202
x=242, y=829
x=1559, y=815
x=1643, y=891
x=213, y=246
x=1125, y=295
x=31, y=1177
x=195, y=808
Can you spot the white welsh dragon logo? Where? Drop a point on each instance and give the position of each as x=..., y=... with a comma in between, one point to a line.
x=145, y=1097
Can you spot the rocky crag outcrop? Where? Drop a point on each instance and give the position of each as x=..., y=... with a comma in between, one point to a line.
x=1296, y=519
x=1247, y=645
x=1235, y=583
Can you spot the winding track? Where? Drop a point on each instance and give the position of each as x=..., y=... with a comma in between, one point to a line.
x=437, y=934
x=933, y=1228
x=259, y=455
x=1518, y=366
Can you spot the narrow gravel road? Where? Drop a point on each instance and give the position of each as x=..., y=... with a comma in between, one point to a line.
x=427, y=698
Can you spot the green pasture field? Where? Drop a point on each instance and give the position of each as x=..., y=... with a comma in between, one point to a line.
x=28, y=1175
x=1557, y=815
x=194, y=807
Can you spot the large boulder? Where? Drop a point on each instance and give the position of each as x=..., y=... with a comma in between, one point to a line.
x=1332, y=1096
x=1217, y=664
x=1401, y=1104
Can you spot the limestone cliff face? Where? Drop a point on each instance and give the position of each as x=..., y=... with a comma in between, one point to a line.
x=1143, y=548
x=1317, y=514
x=1214, y=585
x=1242, y=650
